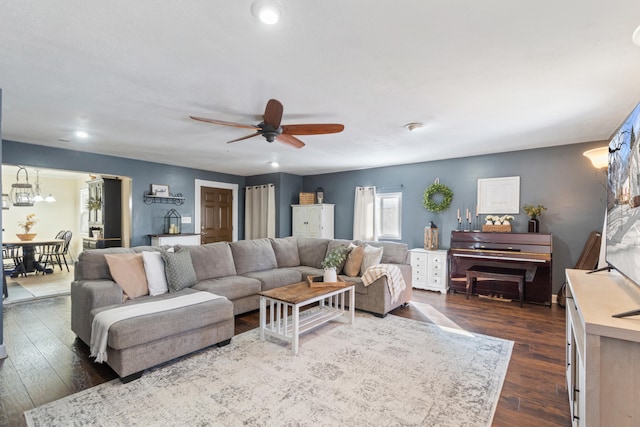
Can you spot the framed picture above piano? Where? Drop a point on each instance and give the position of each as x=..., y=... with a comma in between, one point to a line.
x=499, y=195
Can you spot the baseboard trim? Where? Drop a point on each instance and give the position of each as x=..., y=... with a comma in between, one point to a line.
x=3, y=351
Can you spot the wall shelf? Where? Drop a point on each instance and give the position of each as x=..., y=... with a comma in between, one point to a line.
x=176, y=199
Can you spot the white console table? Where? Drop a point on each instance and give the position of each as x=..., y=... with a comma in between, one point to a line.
x=175, y=239
x=603, y=352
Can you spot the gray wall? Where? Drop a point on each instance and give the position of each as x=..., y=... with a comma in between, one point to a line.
x=146, y=219
x=560, y=178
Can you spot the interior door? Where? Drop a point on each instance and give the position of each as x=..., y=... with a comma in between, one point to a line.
x=216, y=220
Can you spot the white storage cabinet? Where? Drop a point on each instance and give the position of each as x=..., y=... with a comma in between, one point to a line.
x=429, y=270
x=312, y=220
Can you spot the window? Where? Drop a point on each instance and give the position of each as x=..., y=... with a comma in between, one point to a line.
x=388, y=216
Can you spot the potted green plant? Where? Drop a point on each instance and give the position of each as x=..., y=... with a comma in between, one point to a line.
x=94, y=204
x=334, y=259
x=534, y=212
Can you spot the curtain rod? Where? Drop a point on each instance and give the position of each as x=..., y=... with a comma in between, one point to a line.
x=259, y=186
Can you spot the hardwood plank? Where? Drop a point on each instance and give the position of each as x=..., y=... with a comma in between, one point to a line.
x=14, y=398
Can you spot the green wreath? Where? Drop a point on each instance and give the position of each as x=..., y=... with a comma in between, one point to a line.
x=432, y=190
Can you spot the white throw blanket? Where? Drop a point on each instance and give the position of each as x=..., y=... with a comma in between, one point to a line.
x=103, y=320
x=395, y=281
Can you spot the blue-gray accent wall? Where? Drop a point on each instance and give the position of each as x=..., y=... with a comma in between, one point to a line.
x=146, y=219
x=560, y=178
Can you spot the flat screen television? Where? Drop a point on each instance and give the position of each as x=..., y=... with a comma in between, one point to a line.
x=623, y=199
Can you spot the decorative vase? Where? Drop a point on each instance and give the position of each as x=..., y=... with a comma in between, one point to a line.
x=534, y=225
x=330, y=275
x=25, y=237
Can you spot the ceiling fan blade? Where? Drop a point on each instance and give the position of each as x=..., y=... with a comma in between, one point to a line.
x=273, y=113
x=312, y=129
x=290, y=140
x=220, y=122
x=244, y=137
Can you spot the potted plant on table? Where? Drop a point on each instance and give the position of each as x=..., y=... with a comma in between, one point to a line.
x=534, y=212
x=332, y=261
x=26, y=225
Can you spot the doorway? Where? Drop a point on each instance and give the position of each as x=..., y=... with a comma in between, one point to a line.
x=68, y=212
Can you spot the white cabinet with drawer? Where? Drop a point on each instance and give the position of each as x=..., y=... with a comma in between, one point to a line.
x=429, y=270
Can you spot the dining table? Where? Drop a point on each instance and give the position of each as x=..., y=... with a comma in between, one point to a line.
x=29, y=263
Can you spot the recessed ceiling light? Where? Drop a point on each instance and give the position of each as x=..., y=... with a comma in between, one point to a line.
x=81, y=134
x=274, y=164
x=267, y=11
x=414, y=126
x=636, y=36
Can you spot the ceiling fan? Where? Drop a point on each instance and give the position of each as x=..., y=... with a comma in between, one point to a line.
x=271, y=129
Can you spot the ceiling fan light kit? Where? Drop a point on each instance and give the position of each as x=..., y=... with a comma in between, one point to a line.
x=271, y=129
x=267, y=11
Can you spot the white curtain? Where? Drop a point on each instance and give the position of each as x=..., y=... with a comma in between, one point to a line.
x=260, y=212
x=364, y=213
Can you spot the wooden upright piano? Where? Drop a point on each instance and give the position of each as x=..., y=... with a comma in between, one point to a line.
x=528, y=251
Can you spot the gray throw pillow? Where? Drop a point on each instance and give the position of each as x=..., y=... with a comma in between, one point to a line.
x=286, y=250
x=179, y=269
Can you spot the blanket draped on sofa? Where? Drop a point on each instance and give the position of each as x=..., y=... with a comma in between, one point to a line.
x=395, y=281
x=103, y=320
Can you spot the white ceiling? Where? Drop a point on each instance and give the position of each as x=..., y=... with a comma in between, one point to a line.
x=484, y=77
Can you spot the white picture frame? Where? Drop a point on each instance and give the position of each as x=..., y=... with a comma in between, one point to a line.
x=160, y=190
x=499, y=195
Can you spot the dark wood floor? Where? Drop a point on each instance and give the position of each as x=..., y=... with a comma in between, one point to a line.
x=47, y=362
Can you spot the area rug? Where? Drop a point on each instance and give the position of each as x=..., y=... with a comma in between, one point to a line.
x=376, y=372
x=17, y=293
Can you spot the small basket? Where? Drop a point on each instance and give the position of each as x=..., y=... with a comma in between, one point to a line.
x=502, y=228
x=307, y=198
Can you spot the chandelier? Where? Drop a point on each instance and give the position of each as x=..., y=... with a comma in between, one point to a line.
x=21, y=194
x=38, y=195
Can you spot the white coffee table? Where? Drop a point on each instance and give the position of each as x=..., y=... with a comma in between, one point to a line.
x=289, y=327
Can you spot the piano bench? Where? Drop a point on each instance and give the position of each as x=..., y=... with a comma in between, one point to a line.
x=497, y=273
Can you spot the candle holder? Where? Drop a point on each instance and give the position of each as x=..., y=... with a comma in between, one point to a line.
x=172, y=221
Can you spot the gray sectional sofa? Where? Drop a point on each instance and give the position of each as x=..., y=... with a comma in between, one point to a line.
x=236, y=271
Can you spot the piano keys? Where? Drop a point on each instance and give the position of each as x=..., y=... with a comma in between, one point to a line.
x=528, y=251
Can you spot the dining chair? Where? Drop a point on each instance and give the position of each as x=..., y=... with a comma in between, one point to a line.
x=11, y=263
x=12, y=260
x=59, y=235
x=50, y=255
x=65, y=247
